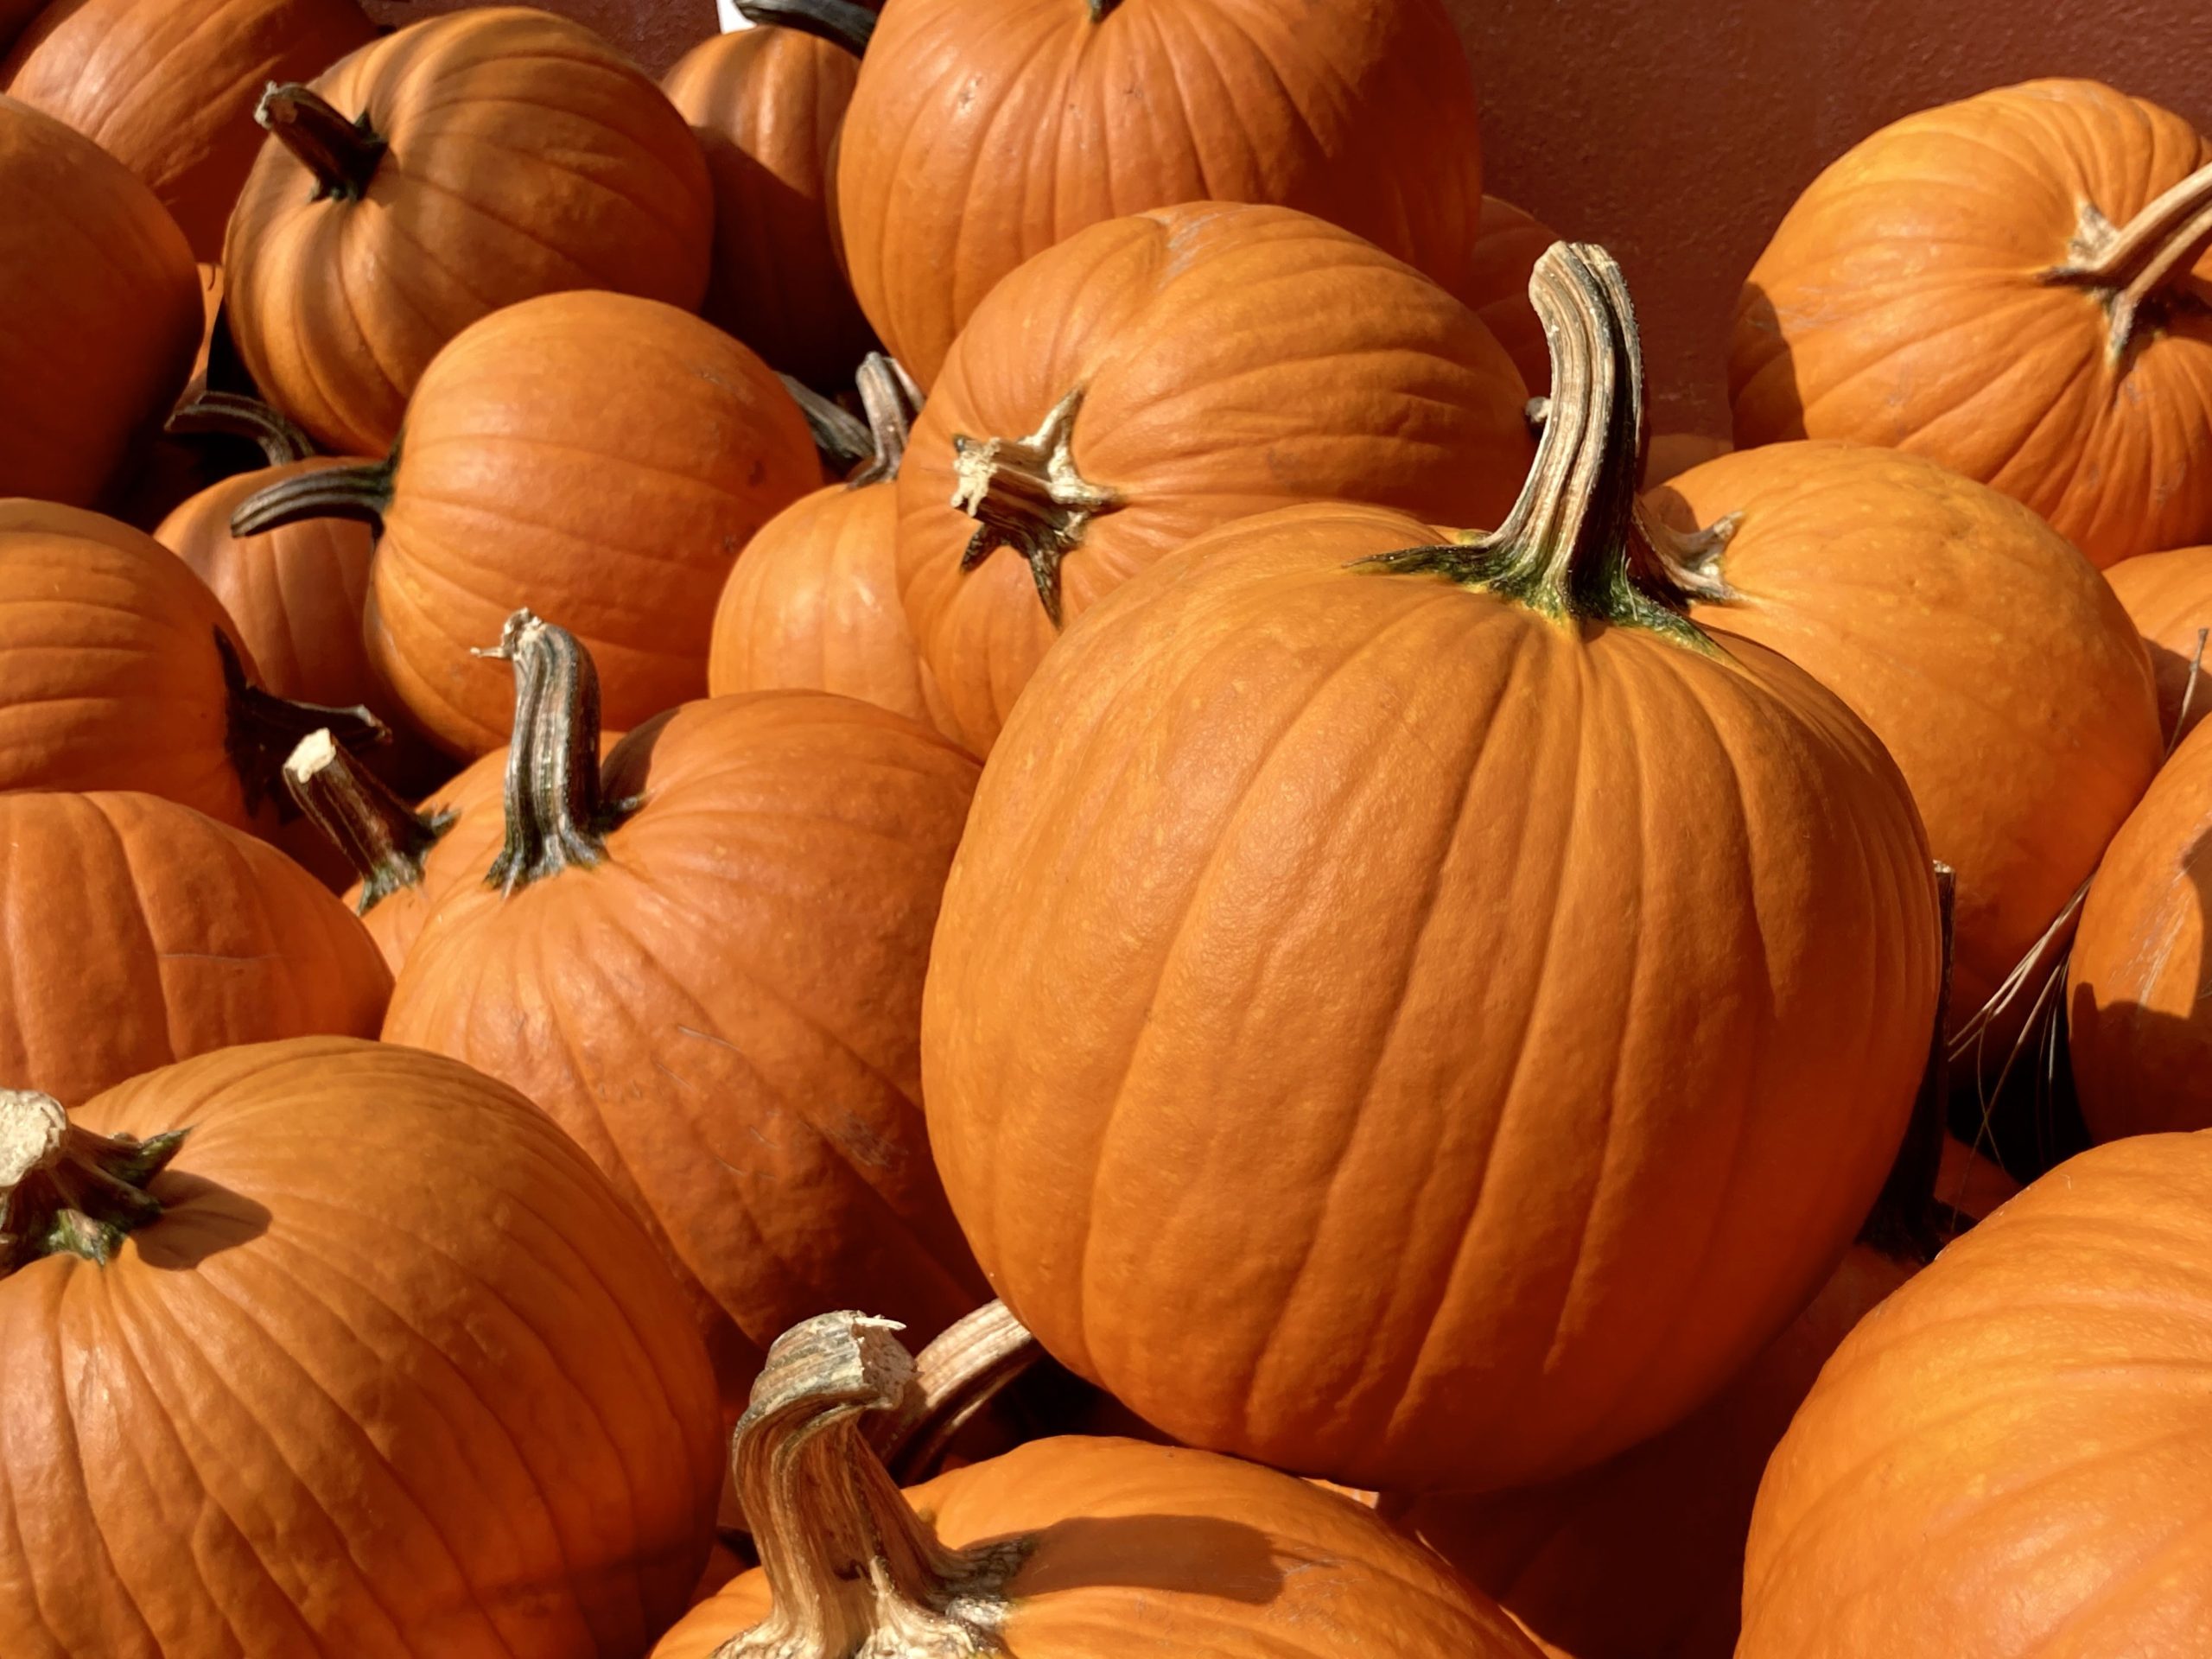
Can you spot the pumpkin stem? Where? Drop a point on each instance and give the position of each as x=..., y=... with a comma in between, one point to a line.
x=384, y=838
x=970, y=1364
x=227, y=414
x=1025, y=493
x=556, y=818
x=1578, y=545
x=342, y=155
x=361, y=491
x=265, y=728
x=2130, y=266
x=884, y=394
x=838, y=22
x=841, y=438
x=852, y=1568
x=64, y=1191
x=1904, y=1223
x=1101, y=8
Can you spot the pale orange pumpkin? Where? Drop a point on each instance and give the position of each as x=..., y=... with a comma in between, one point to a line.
x=2169, y=598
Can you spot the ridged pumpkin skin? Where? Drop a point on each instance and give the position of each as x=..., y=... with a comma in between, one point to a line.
x=169, y=89
x=600, y=459
x=100, y=310
x=2139, y=1024
x=527, y=157
x=2007, y=1458
x=767, y=104
x=142, y=932
x=1559, y=1127
x=1180, y=1551
x=1905, y=300
x=981, y=134
x=1508, y=243
x=725, y=1013
x=1989, y=657
x=393, y=1360
x=2169, y=598
x=1231, y=359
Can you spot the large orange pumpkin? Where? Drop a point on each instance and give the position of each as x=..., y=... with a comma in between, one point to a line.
x=1993, y=662
x=767, y=104
x=1358, y=841
x=601, y=457
x=169, y=89
x=984, y=131
x=458, y=166
x=2004, y=285
x=813, y=605
x=1066, y=1549
x=1158, y=375
x=326, y=1347
x=100, y=310
x=2169, y=598
x=708, y=968
x=1507, y=243
x=2007, y=1458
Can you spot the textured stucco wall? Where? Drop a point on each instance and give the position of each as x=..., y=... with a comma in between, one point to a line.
x=654, y=32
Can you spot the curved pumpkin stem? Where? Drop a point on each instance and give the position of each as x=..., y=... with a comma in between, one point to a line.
x=1028, y=494
x=2129, y=266
x=891, y=403
x=970, y=1364
x=1578, y=545
x=840, y=438
x=228, y=414
x=263, y=729
x=556, y=817
x=361, y=491
x=385, y=839
x=852, y=1568
x=838, y=22
x=64, y=1191
x=342, y=155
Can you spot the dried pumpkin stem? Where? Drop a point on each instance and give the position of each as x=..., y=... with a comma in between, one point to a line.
x=361, y=491
x=1027, y=494
x=64, y=1191
x=970, y=1364
x=343, y=154
x=2129, y=266
x=852, y=1568
x=230, y=414
x=557, y=818
x=841, y=437
x=385, y=839
x=1577, y=545
x=1100, y=10
x=838, y=22
x=885, y=391
x=263, y=729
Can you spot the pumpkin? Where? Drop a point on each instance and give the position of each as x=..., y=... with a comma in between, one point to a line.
x=2006, y=1457
x=1507, y=243
x=707, y=966
x=1061, y=1549
x=2004, y=285
x=604, y=457
x=814, y=603
x=1990, y=658
x=100, y=310
x=324, y=1346
x=2169, y=598
x=1352, y=829
x=461, y=164
x=767, y=104
x=1160, y=375
x=982, y=132
x=169, y=89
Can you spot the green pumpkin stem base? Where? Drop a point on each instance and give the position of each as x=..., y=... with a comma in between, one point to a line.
x=64, y=1191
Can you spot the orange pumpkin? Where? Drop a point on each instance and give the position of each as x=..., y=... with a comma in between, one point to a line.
x=813, y=605
x=601, y=457
x=169, y=89
x=1155, y=376
x=372, y=1333
x=1062, y=1548
x=2004, y=285
x=2169, y=598
x=767, y=104
x=1989, y=657
x=1507, y=243
x=460, y=165
x=983, y=131
x=707, y=969
x=1356, y=831
x=100, y=310
x=2006, y=1459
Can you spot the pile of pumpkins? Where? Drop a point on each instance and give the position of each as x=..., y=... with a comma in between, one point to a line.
x=1011, y=670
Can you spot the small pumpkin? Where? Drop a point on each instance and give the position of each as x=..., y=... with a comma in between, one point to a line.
x=368, y=1330
x=767, y=104
x=604, y=457
x=100, y=310
x=982, y=132
x=2169, y=598
x=1060, y=1549
x=1354, y=829
x=2004, y=285
x=169, y=89
x=2006, y=1457
x=706, y=965
x=459, y=165
x=813, y=605
x=1507, y=243
x=1154, y=377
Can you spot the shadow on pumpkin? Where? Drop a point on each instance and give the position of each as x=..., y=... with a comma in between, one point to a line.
x=1182, y=1555
x=1781, y=407
x=200, y=1218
